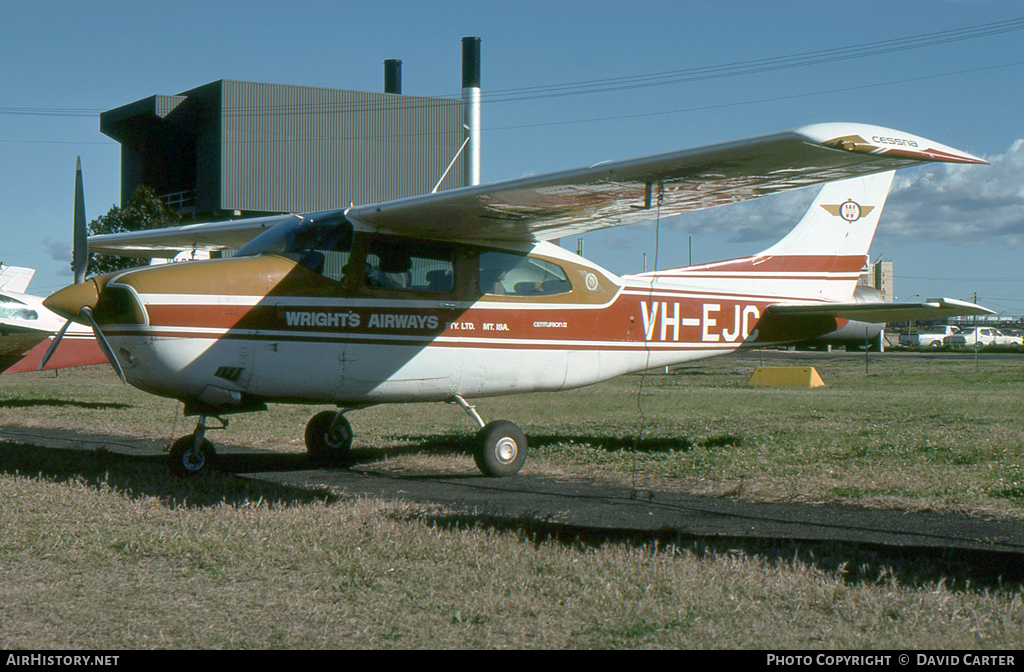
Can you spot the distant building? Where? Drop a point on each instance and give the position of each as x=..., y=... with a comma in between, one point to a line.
x=229, y=149
x=879, y=277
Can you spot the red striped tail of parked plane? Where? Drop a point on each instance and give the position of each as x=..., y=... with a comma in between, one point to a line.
x=28, y=329
x=455, y=296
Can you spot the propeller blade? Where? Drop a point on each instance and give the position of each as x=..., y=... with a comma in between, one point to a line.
x=53, y=346
x=81, y=244
x=86, y=312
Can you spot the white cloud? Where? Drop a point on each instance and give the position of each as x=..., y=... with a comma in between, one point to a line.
x=959, y=204
x=763, y=219
x=948, y=203
x=58, y=251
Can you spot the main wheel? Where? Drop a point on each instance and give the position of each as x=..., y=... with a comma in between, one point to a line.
x=324, y=444
x=187, y=461
x=501, y=449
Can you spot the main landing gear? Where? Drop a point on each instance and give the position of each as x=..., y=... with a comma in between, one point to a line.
x=500, y=445
x=329, y=438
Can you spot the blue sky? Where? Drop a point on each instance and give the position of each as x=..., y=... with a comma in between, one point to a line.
x=950, y=232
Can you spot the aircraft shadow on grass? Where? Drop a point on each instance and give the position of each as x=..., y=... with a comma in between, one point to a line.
x=62, y=403
x=858, y=562
x=141, y=476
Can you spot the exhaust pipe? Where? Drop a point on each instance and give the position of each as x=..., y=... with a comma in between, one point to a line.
x=471, y=100
x=392, y=76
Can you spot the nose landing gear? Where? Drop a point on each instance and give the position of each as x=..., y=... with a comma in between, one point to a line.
x=194, y=454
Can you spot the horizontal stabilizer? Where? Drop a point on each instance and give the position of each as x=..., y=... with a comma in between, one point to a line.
x=931, y=309
x=781, y=324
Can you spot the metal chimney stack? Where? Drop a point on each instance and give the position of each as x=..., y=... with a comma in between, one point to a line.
x=471, y=99
x=392, y=76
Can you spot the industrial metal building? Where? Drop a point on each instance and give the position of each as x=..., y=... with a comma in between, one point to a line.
x=230, y=148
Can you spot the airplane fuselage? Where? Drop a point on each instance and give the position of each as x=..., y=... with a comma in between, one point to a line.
x=232, y=334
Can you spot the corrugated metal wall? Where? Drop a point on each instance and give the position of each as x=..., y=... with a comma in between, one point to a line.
x=303, y=149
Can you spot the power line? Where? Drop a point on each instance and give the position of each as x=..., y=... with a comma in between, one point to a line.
x=758, y=65
x=51, y=111
x=608, y=85
x=844, y=89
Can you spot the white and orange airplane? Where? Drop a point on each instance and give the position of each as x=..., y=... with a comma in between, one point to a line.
x=455, y=296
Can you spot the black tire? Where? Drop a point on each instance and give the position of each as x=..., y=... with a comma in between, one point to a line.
x=186, y=461
x=501, y=449
x=326, y=447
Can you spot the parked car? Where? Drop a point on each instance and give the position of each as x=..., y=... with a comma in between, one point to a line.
x=1007, y=337
x=928, y=337
x=969, y=336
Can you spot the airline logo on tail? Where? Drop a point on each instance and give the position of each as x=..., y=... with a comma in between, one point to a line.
x=851, y=211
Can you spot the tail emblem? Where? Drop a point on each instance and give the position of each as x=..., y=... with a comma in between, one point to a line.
x=851, y=211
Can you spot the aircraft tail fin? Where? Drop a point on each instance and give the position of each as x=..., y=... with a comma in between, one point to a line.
x=820, y=259
x=840, y=222
x=15, y=279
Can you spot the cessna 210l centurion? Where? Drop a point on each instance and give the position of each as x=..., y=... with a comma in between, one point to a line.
x=454, y=296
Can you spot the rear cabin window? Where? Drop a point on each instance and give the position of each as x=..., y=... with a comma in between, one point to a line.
x=405, y=265
x=505, y=273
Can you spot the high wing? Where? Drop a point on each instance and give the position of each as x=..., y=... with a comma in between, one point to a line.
x=623, y=192
x=600, y=196
x=169, y=241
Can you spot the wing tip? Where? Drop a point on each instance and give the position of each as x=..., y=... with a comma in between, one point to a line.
x=879, y=140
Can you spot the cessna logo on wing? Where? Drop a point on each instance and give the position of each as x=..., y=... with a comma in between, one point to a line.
x=851, y=210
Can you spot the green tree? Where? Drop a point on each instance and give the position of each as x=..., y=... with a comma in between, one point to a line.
x=142, y=211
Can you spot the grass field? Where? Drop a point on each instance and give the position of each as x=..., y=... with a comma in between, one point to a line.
x=102, y=552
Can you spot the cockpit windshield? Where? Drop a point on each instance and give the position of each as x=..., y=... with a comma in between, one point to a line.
x=16, y=310
x=299, y=236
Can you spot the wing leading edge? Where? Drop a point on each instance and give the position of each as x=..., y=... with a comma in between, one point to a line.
x=623, y=192
x=168, y=242
x=601, y=196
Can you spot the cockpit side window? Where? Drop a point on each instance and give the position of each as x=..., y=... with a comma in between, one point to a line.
x=409, y=265
x=506, y=273
x=321, y=245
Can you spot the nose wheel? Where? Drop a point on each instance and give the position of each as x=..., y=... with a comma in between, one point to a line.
x=194, y=454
